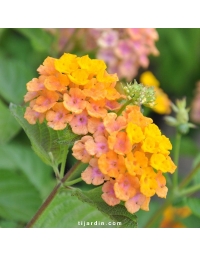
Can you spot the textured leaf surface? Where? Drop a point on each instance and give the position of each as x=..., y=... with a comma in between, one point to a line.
x=43, y=138
x=116, y=213
x=76, y=209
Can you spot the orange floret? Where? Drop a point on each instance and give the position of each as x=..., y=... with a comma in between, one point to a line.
x=161, y=190
x=92, y=174
x=114, y=123
x=134, y=115
x=36, y=84
x=32, y=116
x=45, y=101
x=79, y=151
x=134, y=203
x=58, y=117
x=48, y=67
x=136, y=162
x=109, y=194
x=96, y=108
x=126, y=186
x=111, y=164
x=112, y=105
x=97, y=145
x=31, y=95
x=74, y=101
x=119, y=143
x=96, y=126
x=96, y=91
x=57, y=83
x=79, y=123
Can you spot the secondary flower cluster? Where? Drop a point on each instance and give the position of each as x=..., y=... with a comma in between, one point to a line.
x=126, y=50
x=125, y=150
x=128, y=156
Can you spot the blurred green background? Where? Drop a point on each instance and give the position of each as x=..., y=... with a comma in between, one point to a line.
x=25, y=181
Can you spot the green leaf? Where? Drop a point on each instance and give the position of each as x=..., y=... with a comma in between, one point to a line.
x=19, y=200
x=8, y=125
x=43, y=138
x=67, y=211
x=14, y=75
x=117, y=213
x=40, y=39
x=194, y=205
x=25, y=160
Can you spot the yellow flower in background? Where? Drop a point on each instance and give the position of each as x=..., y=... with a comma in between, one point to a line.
x=148, y=79
x=172, y=217
x=162, y=103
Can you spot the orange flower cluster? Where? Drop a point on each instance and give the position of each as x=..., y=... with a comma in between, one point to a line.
x=71, y=90
x=173, y=217
x=126, y=152
x=128, y=156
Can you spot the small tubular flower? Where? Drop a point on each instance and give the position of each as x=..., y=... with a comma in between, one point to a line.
x=114, y=123
x=74, y=101
x=126, y=186
x=109, y=194
x=92, y=174
x=111, y=164
x=119, y=143
x=58, y=117
x=79, y=151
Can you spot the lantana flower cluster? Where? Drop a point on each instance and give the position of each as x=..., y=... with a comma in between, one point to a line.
x=128, y=157
x=71, y=90
x=125, y=151
x=126, y=50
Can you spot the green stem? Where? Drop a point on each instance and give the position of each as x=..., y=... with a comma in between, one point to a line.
x=63, y=164
x=72, y=170
x=123, y=107
x=176, y=158
x=189, y=190
x=169, y=181
x=56, y=171
x=189, y=176
x=69, y=183
x=44, y=206
x=53, y=194
x=157, y=214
